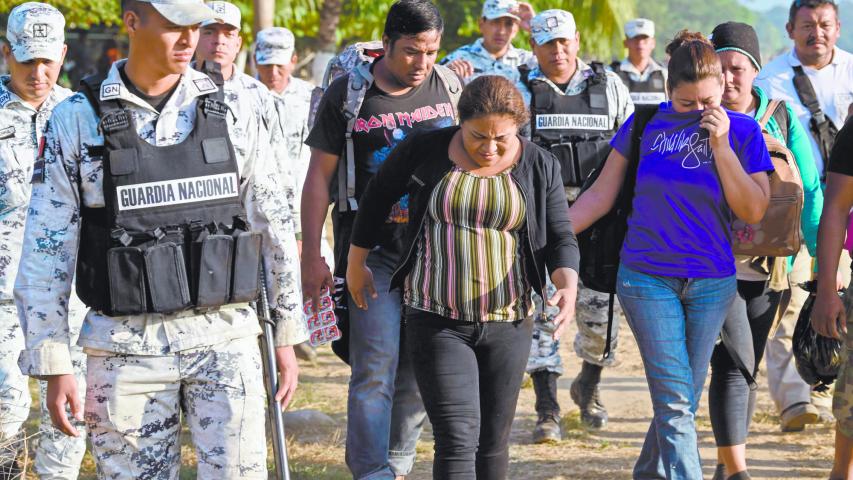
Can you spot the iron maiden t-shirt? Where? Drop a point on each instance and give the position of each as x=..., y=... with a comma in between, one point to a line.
x=680, y=225
x=382, y=123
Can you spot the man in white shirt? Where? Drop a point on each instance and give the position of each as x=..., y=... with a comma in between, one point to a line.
x=814, y=27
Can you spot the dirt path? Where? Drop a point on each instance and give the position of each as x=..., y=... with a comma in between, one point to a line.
x=609, y=454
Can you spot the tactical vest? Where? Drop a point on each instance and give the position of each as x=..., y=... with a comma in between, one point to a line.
x=576, y=128
x=652, y=91
x=173, y=234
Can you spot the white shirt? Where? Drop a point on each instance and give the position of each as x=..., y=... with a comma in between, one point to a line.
x=833, y=85
x=74, y=179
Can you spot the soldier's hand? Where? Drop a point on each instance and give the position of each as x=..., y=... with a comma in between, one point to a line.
x=828, y=317
x=315, y=276
x=463, y=68
x=288, y=375
x=62, y=390
x=525, y=12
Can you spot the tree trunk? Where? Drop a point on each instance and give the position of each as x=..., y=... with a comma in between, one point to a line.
x=264, y=13
x=327, y=40
x=330, y=15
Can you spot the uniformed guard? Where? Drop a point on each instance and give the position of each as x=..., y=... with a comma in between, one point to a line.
x=645, y=78
x=168, y=204
x=493, y=53
x=34, y=54
x=276, y=59
x=576, y=108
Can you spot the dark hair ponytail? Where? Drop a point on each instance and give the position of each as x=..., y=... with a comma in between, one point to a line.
x=692, y=59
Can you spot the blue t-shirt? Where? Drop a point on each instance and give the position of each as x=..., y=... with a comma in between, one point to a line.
x=680, y=225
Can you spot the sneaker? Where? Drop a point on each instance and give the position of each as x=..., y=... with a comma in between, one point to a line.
x=547, y=429
x=797, y=416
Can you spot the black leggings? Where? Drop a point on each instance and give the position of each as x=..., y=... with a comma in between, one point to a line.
x=730, y=401
x=469, y=375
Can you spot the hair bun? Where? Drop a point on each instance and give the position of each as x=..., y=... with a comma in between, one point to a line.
x=687, y=37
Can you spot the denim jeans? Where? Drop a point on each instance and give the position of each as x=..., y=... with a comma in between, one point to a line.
x=385, y=411
x=469, y=375
x=676, y=322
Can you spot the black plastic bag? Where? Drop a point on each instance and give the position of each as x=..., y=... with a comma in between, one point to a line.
x=818, y=358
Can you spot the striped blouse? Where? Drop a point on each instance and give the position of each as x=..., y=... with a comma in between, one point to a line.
x=469, y=263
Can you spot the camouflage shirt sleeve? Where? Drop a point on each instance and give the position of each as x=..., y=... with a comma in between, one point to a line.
x=268, y=212
x=46, y=272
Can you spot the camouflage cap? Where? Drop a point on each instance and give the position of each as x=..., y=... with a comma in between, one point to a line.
x=184, y=12
x=493, y=9
x=36, y=30
x=227, y=12
x=274, y=46
x=552, y=24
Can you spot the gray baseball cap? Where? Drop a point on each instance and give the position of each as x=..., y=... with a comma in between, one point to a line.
x=274, y=46
x=184, y=12
x=36, y=30
x=552, y=24
x=228, y=13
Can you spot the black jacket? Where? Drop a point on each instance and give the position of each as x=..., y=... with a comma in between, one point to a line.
x=417, y=165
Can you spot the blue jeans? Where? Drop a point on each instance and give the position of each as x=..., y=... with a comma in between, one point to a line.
x=385, y=411
x=676, y=322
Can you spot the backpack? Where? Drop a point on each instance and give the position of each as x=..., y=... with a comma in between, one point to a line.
x=778, y=234
x=355, y=60
x=601, y=243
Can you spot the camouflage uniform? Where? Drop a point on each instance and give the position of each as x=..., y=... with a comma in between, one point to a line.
x=842, y=400
x=21, y=130
x=210, y=348
x=485, y=64
x=591, y=307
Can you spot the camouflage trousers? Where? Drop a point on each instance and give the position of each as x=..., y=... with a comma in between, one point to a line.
x=57, y=456
x=134, y=405
x=591, y=317
x=842, y=400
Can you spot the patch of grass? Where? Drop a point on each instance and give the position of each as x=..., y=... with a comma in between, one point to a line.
x=767, y=417
x=573, y=427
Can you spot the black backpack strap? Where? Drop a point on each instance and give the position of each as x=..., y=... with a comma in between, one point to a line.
x=821, y=126
x=90, y=87
x=642, y=115
x=524, y=72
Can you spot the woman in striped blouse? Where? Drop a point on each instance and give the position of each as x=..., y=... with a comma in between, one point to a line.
x=488, y=215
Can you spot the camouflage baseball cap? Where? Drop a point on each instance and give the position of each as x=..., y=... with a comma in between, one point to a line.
x=36, y=30
x=493, y=9
x=228, y=13
x=184, y=12
x=552, y=24
x=274, y=46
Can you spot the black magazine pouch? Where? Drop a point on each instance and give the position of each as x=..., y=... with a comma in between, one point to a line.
x=167, y=278
x=126, y=270
x=214, y=271
x=245, y=284
x=591, y=154
x=565, y=154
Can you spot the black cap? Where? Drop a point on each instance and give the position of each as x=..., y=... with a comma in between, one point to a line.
x=739, y=37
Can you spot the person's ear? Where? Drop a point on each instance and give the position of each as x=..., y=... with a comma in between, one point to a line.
x=131, y=22
x=789, y=27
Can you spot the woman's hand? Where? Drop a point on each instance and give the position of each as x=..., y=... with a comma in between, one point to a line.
x=566, y=281
x=716, y=121
x=359, y=276
x=525, y=12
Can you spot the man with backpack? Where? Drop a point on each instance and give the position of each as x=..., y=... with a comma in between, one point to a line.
x=644, y=77
x=362, y=116
x=576, y=108
x=816, y=79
